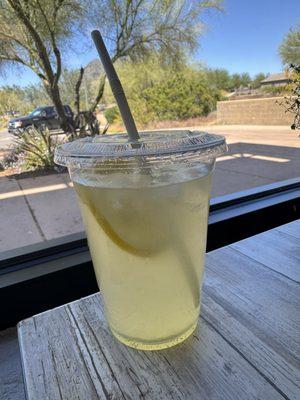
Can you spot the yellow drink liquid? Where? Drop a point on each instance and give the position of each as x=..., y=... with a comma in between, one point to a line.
x=148, y=244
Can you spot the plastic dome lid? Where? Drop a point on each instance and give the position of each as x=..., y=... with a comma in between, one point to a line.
x=153, y=147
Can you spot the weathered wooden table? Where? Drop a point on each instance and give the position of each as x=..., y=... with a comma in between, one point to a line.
x=246, y=346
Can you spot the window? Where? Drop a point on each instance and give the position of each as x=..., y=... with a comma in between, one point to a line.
x=255, y=184
x=50, y=111
x=37, y=112
x=257, y=156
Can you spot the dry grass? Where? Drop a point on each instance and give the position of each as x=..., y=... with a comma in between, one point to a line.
x=211, y=119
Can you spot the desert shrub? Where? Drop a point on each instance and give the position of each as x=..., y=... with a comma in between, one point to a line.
x=111, y=114
x=275, y=90
x=180, y=97
x=34, y=149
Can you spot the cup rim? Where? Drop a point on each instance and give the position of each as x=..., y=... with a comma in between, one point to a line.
x=153, y=144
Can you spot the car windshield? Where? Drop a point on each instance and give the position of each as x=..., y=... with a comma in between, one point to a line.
x=36, y=112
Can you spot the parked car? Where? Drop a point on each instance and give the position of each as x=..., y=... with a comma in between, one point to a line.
x=11, y=113
x=41, y=117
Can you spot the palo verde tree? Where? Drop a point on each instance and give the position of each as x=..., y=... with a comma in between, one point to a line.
x=289, y=49
x=135, y=28
x=33, y=33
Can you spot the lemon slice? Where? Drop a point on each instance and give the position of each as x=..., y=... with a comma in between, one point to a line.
x=112, y=234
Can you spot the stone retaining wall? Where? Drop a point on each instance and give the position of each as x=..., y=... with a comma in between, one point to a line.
x=253, y=112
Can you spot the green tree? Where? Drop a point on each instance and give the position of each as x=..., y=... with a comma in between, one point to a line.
x=218, y=78
x=239, y=80
x=34, y=95
x=67, y=85
x=245, y=79
x=10, y=99
x=257, y=79
x=21, y=99
x=178, y=98
x=158, y=90
x=31, y=34
x=136, y=28
x=139, y=75
x=289, y=49
x=111, y=114
x=35, y=33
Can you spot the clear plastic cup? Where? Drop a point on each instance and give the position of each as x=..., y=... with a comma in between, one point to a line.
x=145, y=209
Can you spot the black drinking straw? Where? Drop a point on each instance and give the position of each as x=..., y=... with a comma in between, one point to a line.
x=116, y=86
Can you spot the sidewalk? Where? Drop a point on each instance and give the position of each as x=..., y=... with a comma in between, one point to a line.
x=45, y=207
x=37, y=209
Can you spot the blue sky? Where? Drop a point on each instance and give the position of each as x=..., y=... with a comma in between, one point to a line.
x=244, y=38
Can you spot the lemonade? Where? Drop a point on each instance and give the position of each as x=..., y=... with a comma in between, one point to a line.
x=144, y=204
x=148, y=244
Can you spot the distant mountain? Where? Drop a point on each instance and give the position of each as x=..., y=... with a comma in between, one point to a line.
x=93, y=69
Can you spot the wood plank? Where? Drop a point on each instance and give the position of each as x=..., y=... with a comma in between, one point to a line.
x=293, y=229
x=260, y=313
x=78, y=358
x=53, y=365
x=285, y=376
x=275, y=250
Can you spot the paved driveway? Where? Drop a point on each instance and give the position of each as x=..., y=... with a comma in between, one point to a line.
x=43, y=208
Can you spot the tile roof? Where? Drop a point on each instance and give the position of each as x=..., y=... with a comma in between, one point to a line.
x=276, y=77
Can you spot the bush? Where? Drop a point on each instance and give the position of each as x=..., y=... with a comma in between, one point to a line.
x=180, y=97
x=291, y=103
x=34, y=149
x=158, y=90
x=276, y=90
x=111, y=114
